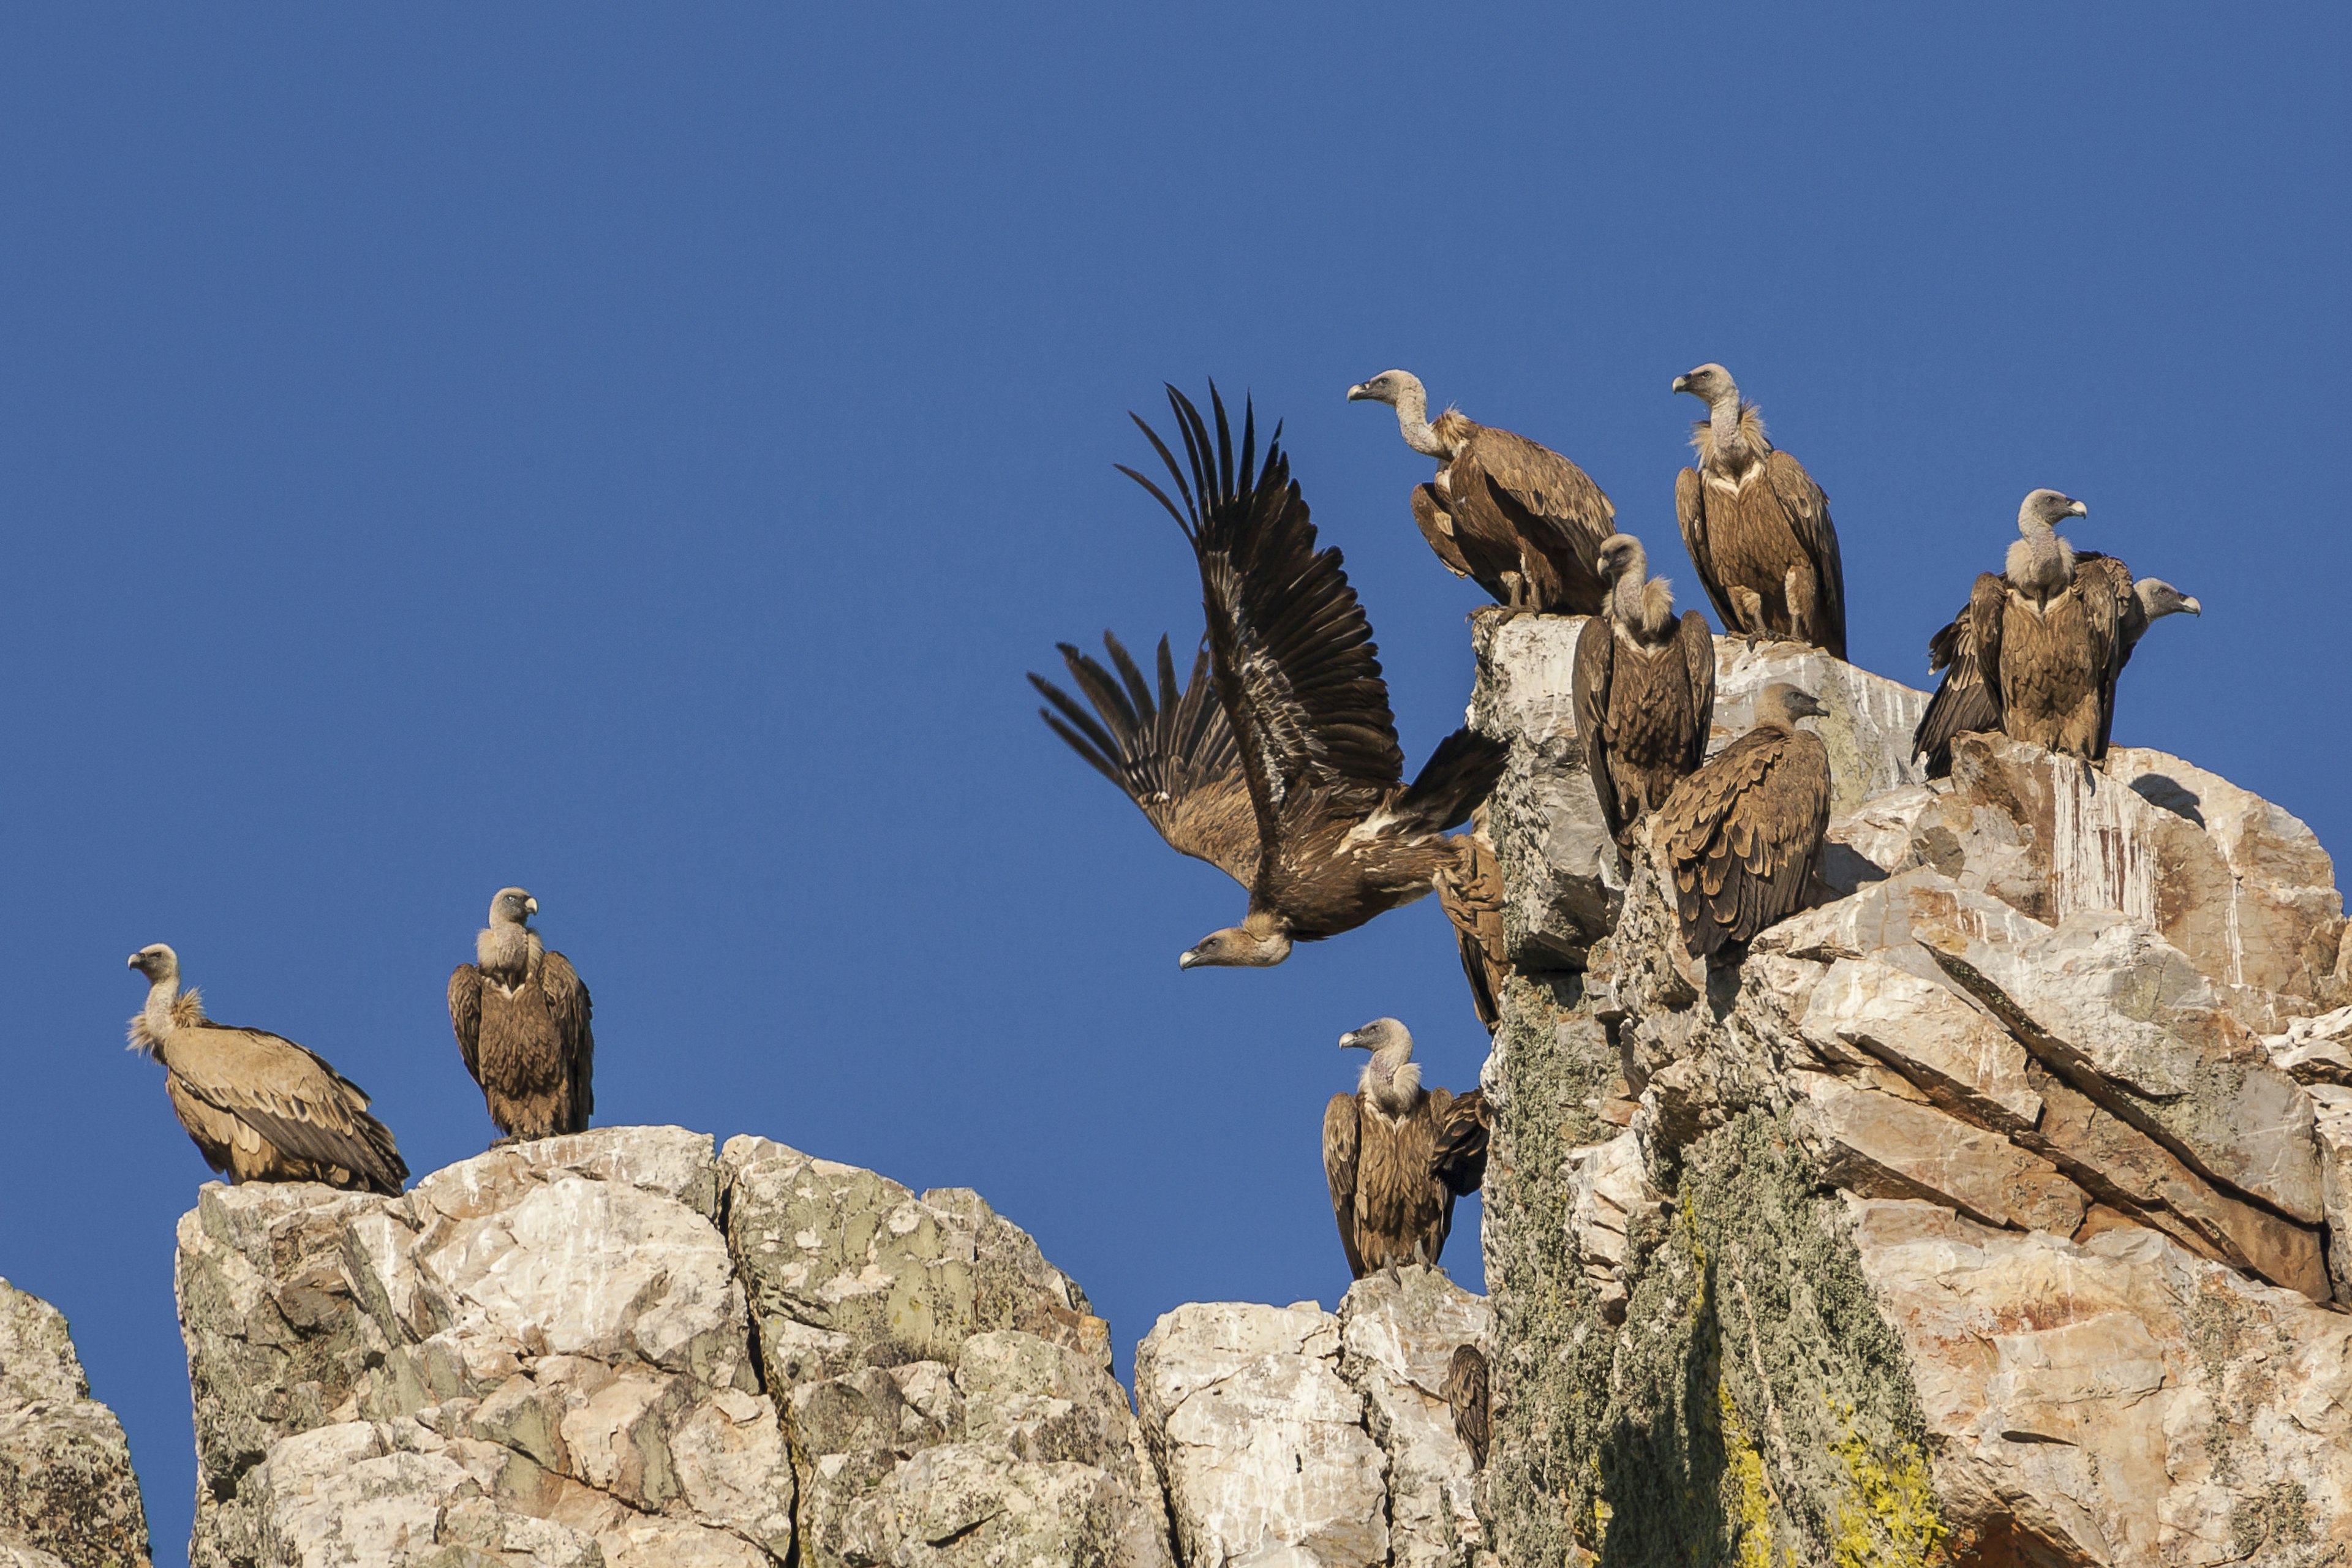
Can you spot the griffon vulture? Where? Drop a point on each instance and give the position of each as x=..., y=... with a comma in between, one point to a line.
x=1391, y=1192
x=1520, y=519
x=1336, y=835
x=1645, y=685
x=1742, y=835
x=521, y=1017
x=258, y=1107
x=1470, y=891
x=1466, y=1393
x=1756, y=526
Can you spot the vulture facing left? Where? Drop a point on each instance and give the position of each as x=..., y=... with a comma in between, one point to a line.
x=1520, y=519
x=1756, y=526
x=258, y=1107
x=1742, y=836
x=1397, y=1155
x=1311, y=813
x=521, y=1019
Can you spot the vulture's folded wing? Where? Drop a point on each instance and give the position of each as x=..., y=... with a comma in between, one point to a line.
x=1742, y=835
x=291, y=1097
x=1172, y=755
x=567, y=1007
x=1470, y=891
x=1698, y=657
x=1435, y=521
x=1458, y=1141
x=466, y=1015
x=1552, y=502
x=1809, y=514
x=1340, y=1133
x=2095, y=572
x=1596, y=658
x=1466, y=1394
x=1965, y=702
x=1690, y=512
x=1296, y=669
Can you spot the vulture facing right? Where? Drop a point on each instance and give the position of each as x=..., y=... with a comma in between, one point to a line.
x=1397, y=1155
x=1644, y=686
x=521, y=1019
x=1742, y=836
x=258, y=1107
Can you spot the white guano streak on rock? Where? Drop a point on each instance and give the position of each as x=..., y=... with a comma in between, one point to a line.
x=2096, y=858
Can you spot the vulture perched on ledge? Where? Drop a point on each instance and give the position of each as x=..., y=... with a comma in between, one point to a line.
x=1756, y=526
x=1645, y=685
x=1316, y=819
x=1520, y=519
x=1968, y=699
x=1398, y=1154
x=1742, y=836
x=521, y=1019
x=258, y=1107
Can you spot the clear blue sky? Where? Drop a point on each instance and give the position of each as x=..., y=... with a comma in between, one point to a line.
x=635, y=454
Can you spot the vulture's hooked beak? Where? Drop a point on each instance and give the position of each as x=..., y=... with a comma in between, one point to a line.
x=1348, y=1039
x=530, y=906
x=131, y=963
x=1188, y=958
x=2076, y=508
x=2192, y=606
x=1359, y=392
x=1682, y=383
x=1807, y=706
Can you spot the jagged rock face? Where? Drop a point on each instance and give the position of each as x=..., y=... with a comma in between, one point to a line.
x=1293, y=1435
x=1988, y=1209
x=66, y=1492
x=546, y=1355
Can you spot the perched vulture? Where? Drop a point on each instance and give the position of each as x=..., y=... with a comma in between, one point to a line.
x=1743, y=835
x=259, y=1106
x=1645, y=685
x=1470, y=891
x=521, y=1019
x=1390, y=1193
x=1465, y=1392
x=1522, y=521
x=1334, y=835
x=1756, y=526
x=1965, y=703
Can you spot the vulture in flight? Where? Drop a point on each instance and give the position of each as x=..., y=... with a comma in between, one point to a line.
x=1756, y=526
x=1398, y=1154
x=1301, y=796
x=258, y=1107
x=1742, y=835
x=521, y=1017
x=1968, y=699
x=1521, y=520
x=1645, y=685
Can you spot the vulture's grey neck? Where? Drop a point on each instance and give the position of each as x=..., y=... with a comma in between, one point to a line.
x=1391, y=1081
x=1723, y=428
x=1412, y=421
x=160, y=996
x=1641, y=606
x=2040, y=564
x=503, y=953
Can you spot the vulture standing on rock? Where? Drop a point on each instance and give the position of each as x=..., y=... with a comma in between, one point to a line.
x=1470, y=891
x=521, y=1017
x=259, y=1106
x=1742, y=836
x=1520, y=519
x=1316, y=820
x=1644, y=686
x=1756, y=526
x=1398, y=1154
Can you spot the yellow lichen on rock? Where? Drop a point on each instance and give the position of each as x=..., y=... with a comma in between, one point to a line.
x=1889, y=1519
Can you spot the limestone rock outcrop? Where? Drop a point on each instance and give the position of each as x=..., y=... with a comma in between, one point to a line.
x=1991, y=1210
x=68, y=1495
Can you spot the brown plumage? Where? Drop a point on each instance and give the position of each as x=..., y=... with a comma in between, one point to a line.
x=1742, y=836
x=258, y=1107
x=1339, y=837
x=1466, y=1393
x=1470, y=891
x=1644, y=686
x=1756, y=526
x=1520, y=519
x=1393, y=1202
x=521, y=1017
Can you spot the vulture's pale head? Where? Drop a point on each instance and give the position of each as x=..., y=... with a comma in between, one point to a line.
x=1710, y=383
x=512, y=907
x=2047, y=509
x=1235, y=947
x=2159, y=599
x=1391, y=386
x=157, y=963
x=1379, y=1035
x=1622, y=555
x=1783, y=704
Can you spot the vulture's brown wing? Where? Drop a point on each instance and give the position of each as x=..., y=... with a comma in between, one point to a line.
x=466, y=1015
x=2130, y=622
x=1458, y=1142
x=1690, y=512
x=1295, y=667
x=1965, y=702
x=567, y=1008
x=290, y=1096
x=1465, y=1392
x=1173, y=755
x=1435, y=521
x=1340, y=1136
x=1987, y=607
x=1470, y=891
x=1596, y=658
x=1698, y=656
x=1552, y=502
x=1742, y=835
x=1809, y=514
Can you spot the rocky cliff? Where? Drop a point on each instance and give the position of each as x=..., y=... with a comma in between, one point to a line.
x=66, y=1492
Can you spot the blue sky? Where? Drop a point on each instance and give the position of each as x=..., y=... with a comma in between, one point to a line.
x=635, y=454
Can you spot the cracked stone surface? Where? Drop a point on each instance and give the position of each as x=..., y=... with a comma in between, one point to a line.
x=66, y=1491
